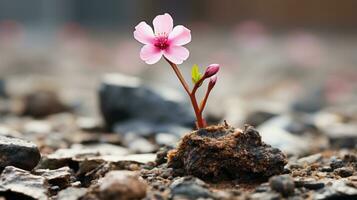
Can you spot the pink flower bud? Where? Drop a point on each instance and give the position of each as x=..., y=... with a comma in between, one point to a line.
x=211, y=70
x=212, y=81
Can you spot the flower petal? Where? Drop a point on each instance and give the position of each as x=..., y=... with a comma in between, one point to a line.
x=180, y=35
x=150, y=54
x=144, y=33
x=163, y=24
x=176, y=54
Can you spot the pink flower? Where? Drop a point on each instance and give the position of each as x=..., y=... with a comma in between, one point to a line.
x=211, y=70
x=166, y=40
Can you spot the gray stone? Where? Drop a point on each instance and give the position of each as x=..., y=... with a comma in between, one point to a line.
x=309, y=183
x=19, y=153
x=122, y=98
x=17, y=181
x=189, y=188
x=308, y=160
x=284, y=184
x=71, y=193
x=61, y=177
x=313, y=185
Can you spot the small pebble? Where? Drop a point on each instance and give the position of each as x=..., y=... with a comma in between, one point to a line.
x=189, y=188
x=326, y=169
x=310, y=159
x=18, y=153
x=283, y=184
x=335, y=164
x=262, y=188
x=344, y=171
x=350, y=158
x=313, y=185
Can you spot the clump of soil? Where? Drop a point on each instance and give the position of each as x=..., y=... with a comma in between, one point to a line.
x=225, y=153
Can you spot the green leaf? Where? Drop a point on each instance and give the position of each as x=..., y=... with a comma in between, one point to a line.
x=195, y=73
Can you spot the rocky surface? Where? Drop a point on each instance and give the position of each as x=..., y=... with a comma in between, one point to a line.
x=136, y=159
x=18, y=183
x=222, y=152
x=19, y=153
x=61, y=177
x=97, y=165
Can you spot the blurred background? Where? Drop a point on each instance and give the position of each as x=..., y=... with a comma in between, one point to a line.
x=275, y=56
x=72, y=82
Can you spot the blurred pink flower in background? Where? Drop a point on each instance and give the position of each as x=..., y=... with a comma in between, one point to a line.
x=305, y=49
x=341, y=85
x=167, y=41
x=74, y=38
x=78, y=45
x=72, y=30
x=11, y=33
x=251, y=34
x=125, y=57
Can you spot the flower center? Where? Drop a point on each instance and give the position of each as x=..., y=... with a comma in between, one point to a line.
x=161, y=41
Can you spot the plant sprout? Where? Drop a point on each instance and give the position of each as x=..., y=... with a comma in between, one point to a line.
x=167, y=41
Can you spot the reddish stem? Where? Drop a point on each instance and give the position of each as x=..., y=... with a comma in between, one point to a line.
x=204, y=101
x=197, y=85
x=179, y=76
x=200, y=121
